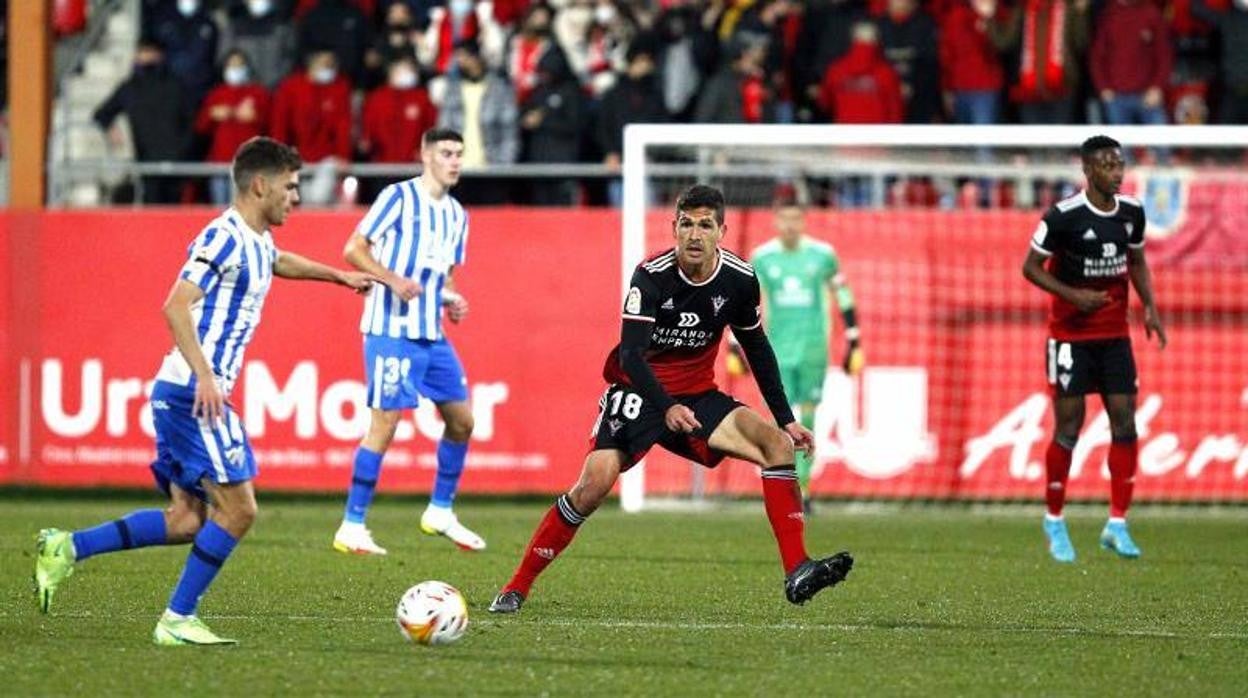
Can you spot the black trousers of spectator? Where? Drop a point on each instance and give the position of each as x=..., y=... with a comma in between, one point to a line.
x=1234, y=109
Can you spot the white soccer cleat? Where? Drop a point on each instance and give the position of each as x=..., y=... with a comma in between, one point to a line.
x=356, y=539
x=437, y=521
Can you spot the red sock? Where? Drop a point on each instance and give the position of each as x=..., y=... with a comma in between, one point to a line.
x=783, y=501
x=1056, y=468
x=1122, y=463
x=552, y=535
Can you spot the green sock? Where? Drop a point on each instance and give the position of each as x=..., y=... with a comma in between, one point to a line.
x=803, y=464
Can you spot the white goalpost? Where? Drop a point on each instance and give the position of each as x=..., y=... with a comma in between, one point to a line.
x=659, y=158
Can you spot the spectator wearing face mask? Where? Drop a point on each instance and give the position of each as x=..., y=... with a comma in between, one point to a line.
x=258, y=29
x=233, y=112
x=312, y=110
x=396, y=40
x=155, y=103
x=190, y=39
x=396, y=116
x=1232, y=27
x=340, y=26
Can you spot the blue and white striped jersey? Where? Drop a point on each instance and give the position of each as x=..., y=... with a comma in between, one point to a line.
x=233, y=264
x=418, y=237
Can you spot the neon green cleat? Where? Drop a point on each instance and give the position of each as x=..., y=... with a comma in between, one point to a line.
x=53, y=564
x=171, y=632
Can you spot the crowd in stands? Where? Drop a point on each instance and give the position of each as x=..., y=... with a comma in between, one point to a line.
x=555, y=81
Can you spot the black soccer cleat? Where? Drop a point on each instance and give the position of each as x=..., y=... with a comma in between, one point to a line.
x=507, y=602
x=814, y=575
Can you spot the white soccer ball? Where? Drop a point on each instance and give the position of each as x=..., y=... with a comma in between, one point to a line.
x=432, y=613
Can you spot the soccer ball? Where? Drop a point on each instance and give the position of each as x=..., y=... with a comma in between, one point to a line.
x=432, y=613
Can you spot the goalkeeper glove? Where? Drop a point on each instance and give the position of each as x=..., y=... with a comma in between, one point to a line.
x=854, y=360
x=734, y=360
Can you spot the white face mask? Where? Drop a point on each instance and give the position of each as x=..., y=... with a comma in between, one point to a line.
x=236, y=75
x=188, y=7
x=604, y=14
x=324, y=76
x=259, y=8
x=459, y=8
x=403, y=79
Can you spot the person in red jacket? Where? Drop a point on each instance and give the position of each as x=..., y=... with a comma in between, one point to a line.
x=972, y=73
x=396, y=116
x=1131, y=61
x=312, y=110
x=234, y=112
x=862, y=87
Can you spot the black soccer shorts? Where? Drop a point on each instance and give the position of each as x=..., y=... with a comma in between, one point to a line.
x=629, y=423
x=1105, y=366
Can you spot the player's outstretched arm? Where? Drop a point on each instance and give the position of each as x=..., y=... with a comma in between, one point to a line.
x=358, y=253
x=209, y=402
x=292, y=266
x=1142, y=280
x=1085, y=299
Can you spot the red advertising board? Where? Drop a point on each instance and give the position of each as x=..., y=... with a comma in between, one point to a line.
x=952, y=403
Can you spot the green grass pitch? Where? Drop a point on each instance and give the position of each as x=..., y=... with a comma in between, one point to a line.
x=942, y=601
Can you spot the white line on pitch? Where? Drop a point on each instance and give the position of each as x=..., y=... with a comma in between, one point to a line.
x=661, y=625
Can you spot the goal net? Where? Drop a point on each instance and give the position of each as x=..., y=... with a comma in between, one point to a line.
x=931, y=225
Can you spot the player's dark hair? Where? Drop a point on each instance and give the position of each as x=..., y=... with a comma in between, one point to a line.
x=263, y=156
x=1096, y=144
x=702, y=196
x=434, y=135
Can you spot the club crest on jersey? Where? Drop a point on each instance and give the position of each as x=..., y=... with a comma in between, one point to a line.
x=668, y=305
x=615, y=425
x=633, y=303
x=1064, y=379
x=718, y=303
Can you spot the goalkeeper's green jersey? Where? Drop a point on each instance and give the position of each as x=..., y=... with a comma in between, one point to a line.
x=795, y=298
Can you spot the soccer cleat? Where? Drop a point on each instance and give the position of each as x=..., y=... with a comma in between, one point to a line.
x=1060, y=546
x=1115, y=537
x=507, y=602
x=172, y=631
x=54, y=563
x=814, y=575
x=354, y=538
x=443, y=522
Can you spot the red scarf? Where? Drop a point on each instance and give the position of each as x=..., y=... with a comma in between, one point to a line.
x=447, y=37
x=1050, y=79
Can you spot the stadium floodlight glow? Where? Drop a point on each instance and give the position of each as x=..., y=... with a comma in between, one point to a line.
x=802, y=144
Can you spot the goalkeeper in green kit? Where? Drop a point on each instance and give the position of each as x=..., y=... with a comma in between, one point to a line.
x=797, y=275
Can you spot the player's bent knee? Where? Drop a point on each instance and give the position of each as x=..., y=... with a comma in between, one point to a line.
x=459, y=429
x=182, y=524
x=777, y=447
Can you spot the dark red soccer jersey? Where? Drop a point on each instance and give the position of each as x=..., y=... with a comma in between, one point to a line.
x=1087, y=248
x=689, y=319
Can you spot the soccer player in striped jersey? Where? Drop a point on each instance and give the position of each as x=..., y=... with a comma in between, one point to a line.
x=1083, y=254
x=661, y=391
x=411, y=240
x=203, y=460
